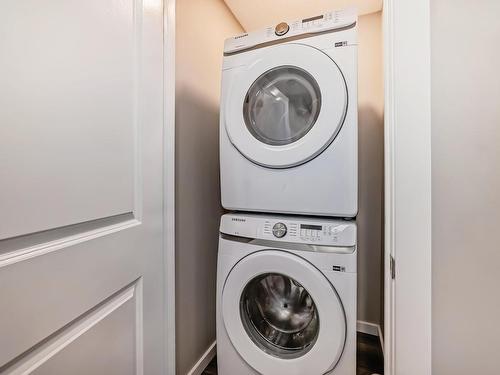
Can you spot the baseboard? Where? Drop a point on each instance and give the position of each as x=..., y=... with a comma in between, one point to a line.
x=204, y=360
x=381, y=338
x=368, y=328
x=371, y=329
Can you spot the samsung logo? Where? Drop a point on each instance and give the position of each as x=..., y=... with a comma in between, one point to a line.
x=240, y=36
x=238, y=219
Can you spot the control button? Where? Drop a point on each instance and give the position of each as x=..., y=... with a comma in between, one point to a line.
x=281, y=28
x=279, y=230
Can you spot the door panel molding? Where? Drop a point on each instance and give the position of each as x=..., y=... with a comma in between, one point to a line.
x=89, y=163
x=43, y=352
x=138, y=192
x=89, y=182
x=26, y=247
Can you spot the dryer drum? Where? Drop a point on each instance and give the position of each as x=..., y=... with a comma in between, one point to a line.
x=279, y=315
x=282, y=105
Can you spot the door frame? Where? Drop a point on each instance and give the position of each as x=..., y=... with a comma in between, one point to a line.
x=408, y=298
x=169, y=183
x=408, y=210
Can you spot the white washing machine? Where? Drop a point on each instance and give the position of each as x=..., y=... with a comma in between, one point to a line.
x=286, y=296
x=288, y=121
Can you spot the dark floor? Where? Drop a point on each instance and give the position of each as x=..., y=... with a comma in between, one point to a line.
x=370, y=357
x=211, y=368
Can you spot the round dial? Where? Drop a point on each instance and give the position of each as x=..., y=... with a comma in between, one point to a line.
x=279, y=230
x=281, y=28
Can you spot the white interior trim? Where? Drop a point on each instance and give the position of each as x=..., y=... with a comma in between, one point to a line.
x=169, y=182
x=407, y=187
x=204, y=360
x=388, y=25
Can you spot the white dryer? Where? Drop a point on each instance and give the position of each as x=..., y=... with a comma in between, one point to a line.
x=288, y=120
x=286, y=296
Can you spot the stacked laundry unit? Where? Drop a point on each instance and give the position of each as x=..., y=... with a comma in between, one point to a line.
x=286, y=283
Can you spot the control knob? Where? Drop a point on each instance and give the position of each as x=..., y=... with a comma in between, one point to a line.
x=279, y=230
x=281, y=28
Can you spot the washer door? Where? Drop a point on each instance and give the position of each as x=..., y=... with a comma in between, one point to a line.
x=287, y=107
x=282, y=315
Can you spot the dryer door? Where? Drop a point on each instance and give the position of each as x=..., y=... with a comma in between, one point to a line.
x=282, y=315
x=286, y=107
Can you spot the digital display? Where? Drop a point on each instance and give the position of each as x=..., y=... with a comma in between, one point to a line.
x=313, y=227
x=312, y=19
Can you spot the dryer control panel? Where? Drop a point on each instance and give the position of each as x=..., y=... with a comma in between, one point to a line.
x=327, y=232
x=325, y=22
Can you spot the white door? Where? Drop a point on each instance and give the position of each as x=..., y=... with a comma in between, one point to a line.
x=287, y=106
x=282, y=314
x=81, y=187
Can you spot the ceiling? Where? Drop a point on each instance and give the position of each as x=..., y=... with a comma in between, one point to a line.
x=257, y=14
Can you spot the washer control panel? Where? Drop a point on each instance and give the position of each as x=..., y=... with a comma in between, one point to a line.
x=306, y=232
x=325, y=22
x=328, y=232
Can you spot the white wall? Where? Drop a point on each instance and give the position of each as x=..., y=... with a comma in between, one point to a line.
x=466, y=186
x=202, y=26
x=371, y=169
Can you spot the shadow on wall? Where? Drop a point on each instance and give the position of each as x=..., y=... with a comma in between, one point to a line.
x=370, y=215
x=197, y=210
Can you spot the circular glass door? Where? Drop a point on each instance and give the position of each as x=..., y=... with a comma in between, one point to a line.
x=279, y=315
x=282, y=105
x=286, y=106
x=282, y=314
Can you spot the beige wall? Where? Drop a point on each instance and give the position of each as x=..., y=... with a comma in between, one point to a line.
x=465, y=186
x=202, y=26
x=371, y=169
